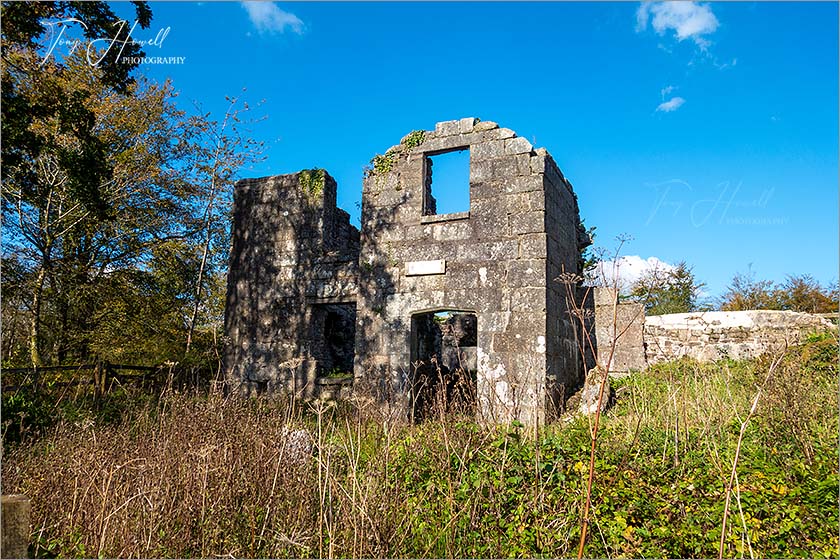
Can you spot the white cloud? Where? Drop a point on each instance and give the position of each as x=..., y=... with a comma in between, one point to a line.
x=267, y=17
x=666, y=90
x=670, y=105
x=687, y=20
x=626, y=270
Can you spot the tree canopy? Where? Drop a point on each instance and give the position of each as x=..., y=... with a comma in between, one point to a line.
x=113, y=198
x=671, y=290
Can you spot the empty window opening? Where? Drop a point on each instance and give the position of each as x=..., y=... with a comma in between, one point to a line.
x=447, y=188
x=443, y=363
x=333, y=343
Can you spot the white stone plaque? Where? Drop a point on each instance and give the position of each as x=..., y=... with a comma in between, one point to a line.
x=422, y=268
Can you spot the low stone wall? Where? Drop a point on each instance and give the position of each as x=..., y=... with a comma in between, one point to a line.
x=714, y=335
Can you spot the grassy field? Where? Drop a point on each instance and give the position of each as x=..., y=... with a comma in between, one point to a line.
x=191, y=476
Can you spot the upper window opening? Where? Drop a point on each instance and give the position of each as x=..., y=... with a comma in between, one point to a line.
x=447, y=183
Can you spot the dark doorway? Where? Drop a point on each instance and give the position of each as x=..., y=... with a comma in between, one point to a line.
x=443, y=363
x=333, y=342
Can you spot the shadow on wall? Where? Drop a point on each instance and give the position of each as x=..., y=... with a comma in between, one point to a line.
x=377, y=282
x=290, y=249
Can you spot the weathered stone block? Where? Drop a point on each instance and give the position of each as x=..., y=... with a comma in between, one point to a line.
x=485, y=125
x=447, y=128
x=528, y=222
x=483, y=190
x=491, y=251
x=526, y=273
x=524, y=184
x=454, y=231
x=510, y=342
x=528, y=299
x=517, y=145
x=536, y=200
x=466, y=125
x=503, y=133
x=493, y=169
x=533, y=246
x=537, y=164
x=488, y=150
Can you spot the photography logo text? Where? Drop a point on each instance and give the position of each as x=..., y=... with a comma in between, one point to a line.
x=96, y=50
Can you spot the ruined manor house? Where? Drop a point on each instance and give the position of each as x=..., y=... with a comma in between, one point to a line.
x=417, y=301
x=423, y=310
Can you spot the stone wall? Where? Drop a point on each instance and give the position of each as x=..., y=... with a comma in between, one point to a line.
x=713, y=335
x=317, y=309
x=498, y=260
x=565, y=239
x=292, y=284
x=619, y=332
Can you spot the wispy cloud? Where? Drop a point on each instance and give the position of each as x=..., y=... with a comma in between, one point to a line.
x=267, y=17
x=666, y=90
x=687, y=20
x=670, y=105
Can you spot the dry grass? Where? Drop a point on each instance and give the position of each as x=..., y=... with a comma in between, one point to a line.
x=190, y=476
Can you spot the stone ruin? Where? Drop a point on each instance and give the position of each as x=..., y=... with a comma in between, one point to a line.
x=628, y=340
x=422, y=310
x=417, y=307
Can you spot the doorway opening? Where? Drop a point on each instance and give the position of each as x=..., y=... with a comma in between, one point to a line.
x=443, y=363
x=334, y=338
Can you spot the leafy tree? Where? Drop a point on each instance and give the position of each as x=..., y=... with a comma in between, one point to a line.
x=745, y=292
x=803, y=293
x=219, y=150
x=668, y=290
x=68, y=242
x=589, y=258
x=55, y=164
x=115, y=237
x=32, y=91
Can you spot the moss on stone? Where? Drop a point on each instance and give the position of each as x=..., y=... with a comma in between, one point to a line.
x=312, y=182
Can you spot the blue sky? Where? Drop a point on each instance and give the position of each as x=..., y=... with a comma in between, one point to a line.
x=706, y=131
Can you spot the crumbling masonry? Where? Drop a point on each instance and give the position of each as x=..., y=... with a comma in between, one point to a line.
x=416, y=293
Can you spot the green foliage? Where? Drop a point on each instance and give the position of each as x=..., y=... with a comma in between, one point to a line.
x=336, y=372
x=803, y=293
x=26, y=412
x=34, y=89
x=797, y=293
x=118, y=203
x=414, y=139
x=312, y=182
x=380, y=165
x=668, y=291
x=589, y=259
x=745, y=292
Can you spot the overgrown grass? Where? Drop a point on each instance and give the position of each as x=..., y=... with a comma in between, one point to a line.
x=191, y=476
